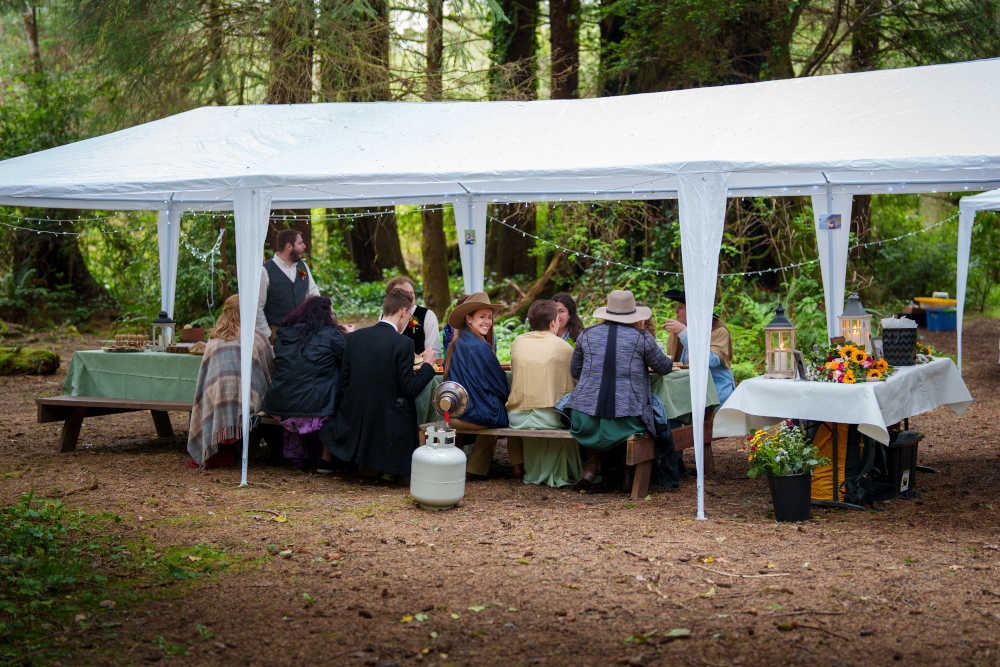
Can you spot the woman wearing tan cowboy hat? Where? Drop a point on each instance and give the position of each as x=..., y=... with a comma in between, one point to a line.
x=471, y=361
x=611, y=398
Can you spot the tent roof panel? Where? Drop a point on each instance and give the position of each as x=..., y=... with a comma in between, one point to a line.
x=917, y=125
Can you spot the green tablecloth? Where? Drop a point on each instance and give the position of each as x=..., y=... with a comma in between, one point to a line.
x=144, y=376
x=674, y=389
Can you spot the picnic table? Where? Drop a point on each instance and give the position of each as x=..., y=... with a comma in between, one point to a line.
x=102, y=383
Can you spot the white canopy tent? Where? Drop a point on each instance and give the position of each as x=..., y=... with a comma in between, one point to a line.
x=967, y=209
x=908, y=130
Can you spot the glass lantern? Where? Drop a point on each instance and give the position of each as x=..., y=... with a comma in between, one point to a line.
x=779, y=346
x=163, y=332
x=856, y=324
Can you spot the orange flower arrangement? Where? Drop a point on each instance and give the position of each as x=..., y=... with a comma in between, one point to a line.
x=848, y=364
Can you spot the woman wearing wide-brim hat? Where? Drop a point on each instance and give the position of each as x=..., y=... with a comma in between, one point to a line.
x=611, y=399
x=471, y=361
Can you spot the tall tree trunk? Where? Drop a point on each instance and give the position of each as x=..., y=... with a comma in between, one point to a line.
x=30, y=16
x=290, y=27
x=372, y=241
x=513, y=71
x=513, y=76
x=612, y=33
x=433, y=249
x=864, y=57
x=354, y=67
x=564, y=24
x=217, y=57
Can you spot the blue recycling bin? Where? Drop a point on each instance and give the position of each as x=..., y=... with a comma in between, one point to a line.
x=941, y=320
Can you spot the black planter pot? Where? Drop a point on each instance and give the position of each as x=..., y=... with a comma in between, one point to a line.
x=790, y=494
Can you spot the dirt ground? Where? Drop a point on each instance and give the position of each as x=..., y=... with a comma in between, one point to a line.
x=532, y=575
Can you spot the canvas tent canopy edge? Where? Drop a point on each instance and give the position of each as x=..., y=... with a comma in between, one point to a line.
x=967, y=209
x=906, y=130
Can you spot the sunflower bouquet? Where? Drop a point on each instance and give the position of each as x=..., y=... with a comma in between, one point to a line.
x=847, y=364
x=926, y=353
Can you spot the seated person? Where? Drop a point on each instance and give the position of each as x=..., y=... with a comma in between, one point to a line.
x=471, y=361
x=540, y=363
x=422, y=328
x=376, y=423
x=719, y=359
x=307, y=358
x=570, y=325
x=611, y=399
x=215, y=430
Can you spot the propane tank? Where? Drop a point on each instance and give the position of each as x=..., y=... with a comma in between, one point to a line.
x=437, y=472
x=437, y=468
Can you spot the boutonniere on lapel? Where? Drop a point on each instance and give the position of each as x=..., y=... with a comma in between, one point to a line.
x=302, y=273
x=413, y=323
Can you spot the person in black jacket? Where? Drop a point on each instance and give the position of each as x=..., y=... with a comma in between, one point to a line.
x=376, y=424
x=303, y=392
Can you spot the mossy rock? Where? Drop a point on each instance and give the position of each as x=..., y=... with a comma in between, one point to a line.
x=27, y=361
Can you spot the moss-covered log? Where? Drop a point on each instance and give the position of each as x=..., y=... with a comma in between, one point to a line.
x=27, y=361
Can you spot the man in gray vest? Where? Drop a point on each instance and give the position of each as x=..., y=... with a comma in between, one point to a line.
x=285, y=282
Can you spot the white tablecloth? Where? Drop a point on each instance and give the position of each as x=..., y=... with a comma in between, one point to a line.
x=760, y=402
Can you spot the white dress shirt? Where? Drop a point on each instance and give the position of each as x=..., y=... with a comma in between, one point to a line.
x=265, y=281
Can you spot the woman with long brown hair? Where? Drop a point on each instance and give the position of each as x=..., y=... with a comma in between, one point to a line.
x=308, y=354
x=570, y=324
x=471, y=361
x=215, y=428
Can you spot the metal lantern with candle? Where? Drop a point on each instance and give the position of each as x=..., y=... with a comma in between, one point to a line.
x=779, y=346
x=856, y=323
x=163, y=332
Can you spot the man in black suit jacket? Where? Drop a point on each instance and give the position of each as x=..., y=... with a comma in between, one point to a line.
x=376, y=424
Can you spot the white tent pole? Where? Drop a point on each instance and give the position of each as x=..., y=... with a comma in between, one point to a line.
x=702, y=207
x=168, y=235
x=966, y=216
x=250, y=210
x=831, y=247
x=470, y=223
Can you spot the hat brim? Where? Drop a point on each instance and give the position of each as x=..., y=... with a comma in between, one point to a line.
x=641, y=313
x=676, y=295
x=457, y=317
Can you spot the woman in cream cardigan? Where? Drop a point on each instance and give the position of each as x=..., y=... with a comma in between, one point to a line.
x=540, y=365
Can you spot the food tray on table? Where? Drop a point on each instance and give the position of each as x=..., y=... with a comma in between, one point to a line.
x=120, y=348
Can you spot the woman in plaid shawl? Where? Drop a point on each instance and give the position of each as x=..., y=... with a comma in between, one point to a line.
x=215, y=431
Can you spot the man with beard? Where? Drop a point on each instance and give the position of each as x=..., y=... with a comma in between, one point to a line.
x=285, y=282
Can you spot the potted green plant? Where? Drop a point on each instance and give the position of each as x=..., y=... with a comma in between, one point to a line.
x=787, y=457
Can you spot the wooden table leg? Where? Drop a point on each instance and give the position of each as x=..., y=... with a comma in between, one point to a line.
x=640, y=481
x=162, y=422
x=71, y=429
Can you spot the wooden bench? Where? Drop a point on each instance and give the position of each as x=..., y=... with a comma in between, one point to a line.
x=638, y=451
x=72, y=410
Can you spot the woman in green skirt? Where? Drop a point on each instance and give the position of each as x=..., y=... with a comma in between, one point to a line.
x=611, y=362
